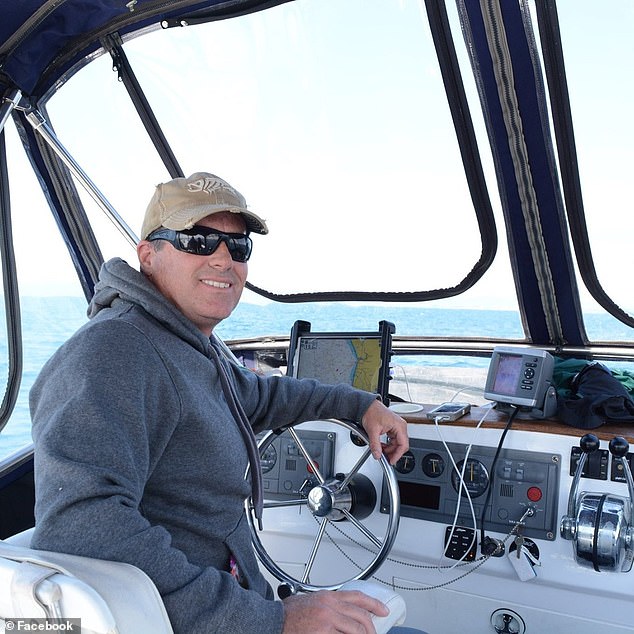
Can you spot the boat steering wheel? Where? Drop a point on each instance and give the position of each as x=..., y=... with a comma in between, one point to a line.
x=345, y=502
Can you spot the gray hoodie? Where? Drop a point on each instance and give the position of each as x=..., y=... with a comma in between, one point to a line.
x=139, y=459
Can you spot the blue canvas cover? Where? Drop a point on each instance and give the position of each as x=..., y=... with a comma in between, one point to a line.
x=41, y=40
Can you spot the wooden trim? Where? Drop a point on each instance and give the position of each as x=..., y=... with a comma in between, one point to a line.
x=497, y=420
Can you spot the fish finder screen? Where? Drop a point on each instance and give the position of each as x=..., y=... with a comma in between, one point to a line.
x=508, y=374
x=519, y=376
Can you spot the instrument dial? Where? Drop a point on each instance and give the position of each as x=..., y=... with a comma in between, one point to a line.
x=433, y=465
x=476, y=478
x=405, y=463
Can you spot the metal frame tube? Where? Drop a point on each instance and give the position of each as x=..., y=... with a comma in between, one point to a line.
x=9, y=104
x=40, y=125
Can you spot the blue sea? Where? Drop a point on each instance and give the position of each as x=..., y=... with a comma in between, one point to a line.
x=48, y=321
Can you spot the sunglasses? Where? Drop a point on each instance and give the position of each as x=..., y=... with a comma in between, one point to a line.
x=205, y=241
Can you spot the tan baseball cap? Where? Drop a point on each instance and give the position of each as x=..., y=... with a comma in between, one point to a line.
x=180, y=203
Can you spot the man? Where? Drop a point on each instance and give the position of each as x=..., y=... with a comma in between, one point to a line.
x=143, y=428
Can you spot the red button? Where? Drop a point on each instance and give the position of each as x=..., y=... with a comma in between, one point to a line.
x=534, y=494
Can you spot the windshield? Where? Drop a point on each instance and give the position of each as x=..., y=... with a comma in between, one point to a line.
x=332, y=119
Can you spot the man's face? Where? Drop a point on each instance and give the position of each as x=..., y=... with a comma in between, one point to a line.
x=205, y=288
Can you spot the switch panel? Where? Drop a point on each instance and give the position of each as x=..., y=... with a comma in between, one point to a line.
x=285, y=471
x=596, y=467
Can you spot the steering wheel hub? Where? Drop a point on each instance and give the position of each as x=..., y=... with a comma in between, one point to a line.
x=320, y=501
x=329, y=499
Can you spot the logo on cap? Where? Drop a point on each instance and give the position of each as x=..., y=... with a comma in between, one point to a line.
x=209, y=186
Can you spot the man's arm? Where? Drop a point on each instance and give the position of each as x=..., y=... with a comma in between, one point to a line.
x=272, y=402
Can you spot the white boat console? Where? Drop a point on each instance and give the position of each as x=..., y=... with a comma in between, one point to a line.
x=526, y=575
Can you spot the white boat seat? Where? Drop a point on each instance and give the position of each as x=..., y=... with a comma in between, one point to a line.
x=109, y=597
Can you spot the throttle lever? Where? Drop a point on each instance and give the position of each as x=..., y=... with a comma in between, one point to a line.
x=589, y=443
x=619, y=448
x=601, y=525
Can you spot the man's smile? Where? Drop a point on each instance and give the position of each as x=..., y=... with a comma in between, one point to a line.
x=216, y=284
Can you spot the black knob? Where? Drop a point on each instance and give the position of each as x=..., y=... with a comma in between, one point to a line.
x=619, y=446
x=589, y=443
x=285, y=590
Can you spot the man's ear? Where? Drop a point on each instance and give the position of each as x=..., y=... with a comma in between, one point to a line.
x=145, y=252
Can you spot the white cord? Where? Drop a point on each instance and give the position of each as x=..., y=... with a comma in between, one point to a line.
x=462, y=486
x=466, y=388
x=402, y=369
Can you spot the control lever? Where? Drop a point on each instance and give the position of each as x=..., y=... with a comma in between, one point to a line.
x=601, y=525
x=589, y=444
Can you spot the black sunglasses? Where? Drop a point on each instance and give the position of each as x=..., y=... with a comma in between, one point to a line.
x=204, y=241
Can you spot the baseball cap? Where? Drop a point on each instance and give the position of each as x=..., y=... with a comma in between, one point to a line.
x=180, y=203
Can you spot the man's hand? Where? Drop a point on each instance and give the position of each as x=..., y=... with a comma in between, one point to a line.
x=379, y=420
x=327, y=612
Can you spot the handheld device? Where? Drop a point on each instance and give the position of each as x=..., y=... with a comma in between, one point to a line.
x=449, y=411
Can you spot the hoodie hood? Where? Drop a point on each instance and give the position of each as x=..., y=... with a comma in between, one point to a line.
x=118, y=281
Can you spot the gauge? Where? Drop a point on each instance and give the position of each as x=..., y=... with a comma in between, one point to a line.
x=405, y=463
x=268, y=459
x=476, y=477
x=433, y=465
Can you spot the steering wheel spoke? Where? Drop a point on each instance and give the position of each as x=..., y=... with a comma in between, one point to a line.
x=309, y=459
x=335, y=496
x=373, y=538
x=355, y=469
x=315, y=549
x=278, y=504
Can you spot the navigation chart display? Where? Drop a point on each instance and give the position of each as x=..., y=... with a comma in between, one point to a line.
x=360, y=359
x=356, y=361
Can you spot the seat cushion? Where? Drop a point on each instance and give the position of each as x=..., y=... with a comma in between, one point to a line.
x=101, y=593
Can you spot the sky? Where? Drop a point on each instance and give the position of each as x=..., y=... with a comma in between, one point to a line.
x=324, y=120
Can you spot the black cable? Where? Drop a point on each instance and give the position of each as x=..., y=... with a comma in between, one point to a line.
x=488, y=545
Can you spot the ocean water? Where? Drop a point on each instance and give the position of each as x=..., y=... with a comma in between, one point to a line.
x=48, y=322
x=279, y=318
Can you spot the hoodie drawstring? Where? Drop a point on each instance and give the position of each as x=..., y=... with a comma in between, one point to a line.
x=247, y=434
